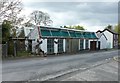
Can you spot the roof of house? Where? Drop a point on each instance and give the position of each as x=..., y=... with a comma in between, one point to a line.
x=50, y=32
x=107, y=30
x=100, y=35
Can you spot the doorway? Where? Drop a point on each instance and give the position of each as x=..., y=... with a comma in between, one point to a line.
x=93, y=45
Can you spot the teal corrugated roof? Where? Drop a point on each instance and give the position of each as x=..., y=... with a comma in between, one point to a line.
x=72, y=34
x=67, y=34
x=45, y=33
x=56, y=33
x=93, y=35
x=79, y=35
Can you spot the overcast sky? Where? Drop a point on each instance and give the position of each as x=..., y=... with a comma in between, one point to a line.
x=92, y=15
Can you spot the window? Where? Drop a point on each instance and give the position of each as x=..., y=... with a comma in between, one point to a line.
x=50, y=46
x=81, y=44
x=86, y=44
x=60, y=45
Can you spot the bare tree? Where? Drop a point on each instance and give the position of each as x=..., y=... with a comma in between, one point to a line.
x=47, y=19
x=9, y=8
x=40, y=17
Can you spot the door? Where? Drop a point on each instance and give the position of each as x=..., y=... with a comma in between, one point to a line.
x=75, y=45
x=68, y=45
x=81, y=44
x=93, y=45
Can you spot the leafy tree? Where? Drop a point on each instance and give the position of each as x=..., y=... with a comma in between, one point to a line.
x=9, y=10
x=109, y=27
x=78, y=27
x=6, y=26
x=117, y=30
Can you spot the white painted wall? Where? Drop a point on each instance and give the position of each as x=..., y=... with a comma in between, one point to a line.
x=79, y=44
x=44, y=45
x=89, y=43
x=84, y=44
x=34, y=34
x=33, y=46
x=64, y=45
x=109, y=36
x=103, y=42
x=56, y=46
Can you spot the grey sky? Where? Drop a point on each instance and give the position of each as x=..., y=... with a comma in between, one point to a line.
x=91, y=15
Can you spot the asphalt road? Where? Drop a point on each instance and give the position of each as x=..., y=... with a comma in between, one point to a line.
x=40, y=69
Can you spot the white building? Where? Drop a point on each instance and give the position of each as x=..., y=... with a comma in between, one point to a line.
x=102, y=40
x=108, y=39
x=62, y=40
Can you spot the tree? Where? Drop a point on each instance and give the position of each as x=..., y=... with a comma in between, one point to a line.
x=9, y=9
x=39, y=17
x=6, y=26
x=117, y=30
x=109, y=27
x=78, y=27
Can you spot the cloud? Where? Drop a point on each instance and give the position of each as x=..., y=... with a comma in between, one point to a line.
x=91, y=14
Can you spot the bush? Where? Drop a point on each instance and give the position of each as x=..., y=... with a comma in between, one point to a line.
x=23, y=53
x=10, y=48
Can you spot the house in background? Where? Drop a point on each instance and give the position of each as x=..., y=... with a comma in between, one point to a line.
x=62, y=40
x=111, y=36
x=102, y=40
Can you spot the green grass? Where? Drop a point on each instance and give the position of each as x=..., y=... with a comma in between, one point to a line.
x=23, y=54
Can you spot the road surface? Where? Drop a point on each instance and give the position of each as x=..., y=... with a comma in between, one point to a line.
x=40, y=69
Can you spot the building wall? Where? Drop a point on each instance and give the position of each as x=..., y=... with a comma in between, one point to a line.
x=115, y=43
x=103, y=42
x=34, y=34
x=109, y=36
x=79, y=44
x=33, y=46
x=44, y=45
x=55, y=46
x=84, y=44
x=27, y=30
x=64, y=45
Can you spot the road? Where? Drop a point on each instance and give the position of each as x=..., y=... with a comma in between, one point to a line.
x=40, y=69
